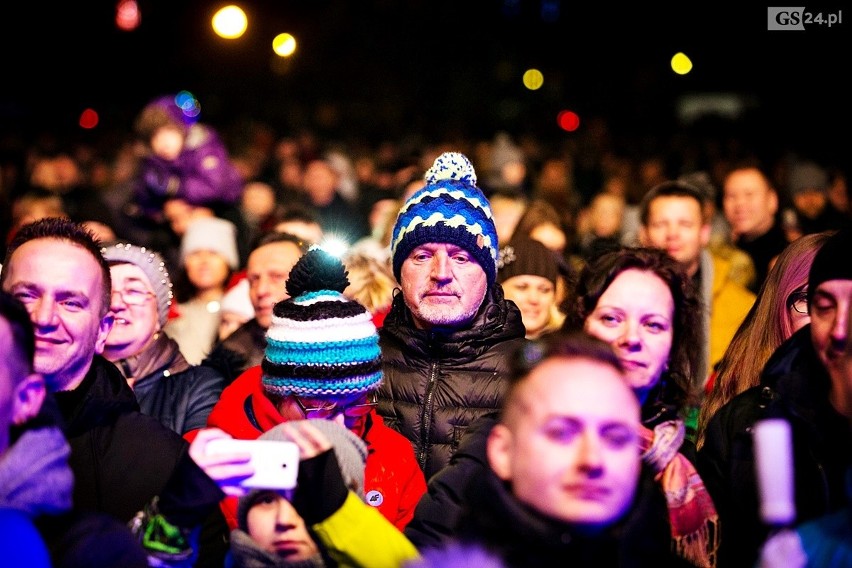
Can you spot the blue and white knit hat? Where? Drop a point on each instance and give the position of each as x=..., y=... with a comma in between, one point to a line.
x=320, y=343
x=450, y=209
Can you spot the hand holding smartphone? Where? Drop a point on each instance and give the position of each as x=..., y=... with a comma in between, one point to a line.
x=275, y=463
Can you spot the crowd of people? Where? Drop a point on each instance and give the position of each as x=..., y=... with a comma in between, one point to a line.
x=533, y=361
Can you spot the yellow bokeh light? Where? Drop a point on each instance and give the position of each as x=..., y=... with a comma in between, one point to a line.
x=230, y=22
x=681, y=64
x=533, y=79
x=284, y=45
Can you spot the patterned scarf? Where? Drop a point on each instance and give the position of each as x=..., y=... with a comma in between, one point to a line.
x=692, y=515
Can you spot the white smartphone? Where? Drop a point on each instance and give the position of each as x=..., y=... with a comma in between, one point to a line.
x=276, y=463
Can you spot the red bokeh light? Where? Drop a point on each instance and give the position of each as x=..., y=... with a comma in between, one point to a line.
x=88, y=119
x=568, y=120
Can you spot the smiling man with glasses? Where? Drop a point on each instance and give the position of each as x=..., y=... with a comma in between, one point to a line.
x=322, y=361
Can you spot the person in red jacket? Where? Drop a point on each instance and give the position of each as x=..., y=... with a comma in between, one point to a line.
x=322, y=360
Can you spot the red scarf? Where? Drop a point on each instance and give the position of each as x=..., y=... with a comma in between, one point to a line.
x=692, y=515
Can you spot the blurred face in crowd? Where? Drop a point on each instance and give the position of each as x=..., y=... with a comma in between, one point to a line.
x=21, y=391
x=749, y=202
x=568, y=442
x=534, y=296
x=180, y=214
x=810, y=202
x=134, y=309
x=442, y=285
x=308, y=231
x=267, y=271
x=206, y=269
x=676, y=225
x=167, y=142
x=635, y=315
x=320, y=182
x=797, y=308
x=846, y=370
x=277, y=528
x=829, y=310
x=71, y=323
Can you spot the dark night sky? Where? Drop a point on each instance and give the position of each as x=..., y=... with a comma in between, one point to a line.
x=383, y=67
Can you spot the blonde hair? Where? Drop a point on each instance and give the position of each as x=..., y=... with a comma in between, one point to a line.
x=371, y=282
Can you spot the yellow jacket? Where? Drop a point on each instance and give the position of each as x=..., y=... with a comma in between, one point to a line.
x=729, y=304
x=357, y=535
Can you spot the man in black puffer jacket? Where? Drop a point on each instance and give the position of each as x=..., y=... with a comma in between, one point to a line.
x=449, y=336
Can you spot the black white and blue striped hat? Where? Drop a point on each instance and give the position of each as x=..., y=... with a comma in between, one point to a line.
x=450, y=209
x=320, y=343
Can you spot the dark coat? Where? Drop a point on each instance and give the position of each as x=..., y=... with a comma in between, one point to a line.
x=238, y=352
x=436, y=384
x=522, y=537
x=122, y=458
x=178, y=394
x=794, y=386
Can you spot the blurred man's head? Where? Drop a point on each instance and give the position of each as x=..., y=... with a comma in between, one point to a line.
x=829, y=299
x=808, y=187
x=22, y=390
x=567, y=442
x=750, y=202
x=444, y=246
x=55, y=268
x=267, y=271
x=672, y=217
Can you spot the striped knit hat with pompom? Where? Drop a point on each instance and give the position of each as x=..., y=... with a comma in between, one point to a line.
x=450, y=209
x=320, y=343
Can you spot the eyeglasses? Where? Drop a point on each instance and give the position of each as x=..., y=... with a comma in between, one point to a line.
x=332, y=409
x=798, y=301
x=134, y=296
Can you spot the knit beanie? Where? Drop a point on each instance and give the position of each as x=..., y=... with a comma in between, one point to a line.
x=831, y=261
x=806, y=176
x=320, y=343
x=526, y=256
x=451, y=209
x=349, y=449
x=211, y=233
x=152, y=265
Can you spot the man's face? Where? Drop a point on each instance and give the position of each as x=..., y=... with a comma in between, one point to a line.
x=134, y=310
x=267, y=271
x=442, y=285
x=61, y=285
x=569, y=442
x=810, y=202
x=277, y=528
x=749, y=203
x=829, y=311
x=675, y=224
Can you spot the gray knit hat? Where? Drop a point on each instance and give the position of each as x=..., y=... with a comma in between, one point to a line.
x=349, y=449
x=152, y=265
